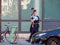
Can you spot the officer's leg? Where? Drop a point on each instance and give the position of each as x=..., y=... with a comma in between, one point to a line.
x=31, y=28
x=30, y=36
x=37, y=28
x=32, y=32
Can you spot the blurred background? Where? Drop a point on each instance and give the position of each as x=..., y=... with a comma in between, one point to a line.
x=17, y=13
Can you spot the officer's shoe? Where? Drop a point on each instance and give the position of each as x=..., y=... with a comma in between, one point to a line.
x=28, y=40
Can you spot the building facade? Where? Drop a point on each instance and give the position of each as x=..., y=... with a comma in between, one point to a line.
x=17, y=13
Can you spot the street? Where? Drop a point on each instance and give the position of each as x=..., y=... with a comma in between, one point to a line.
x=18, y=42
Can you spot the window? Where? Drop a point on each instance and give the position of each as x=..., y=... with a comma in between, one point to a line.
x=52, y=9
x=9, y=10
x=10, y=24
x=25, y=26
x=51, y=25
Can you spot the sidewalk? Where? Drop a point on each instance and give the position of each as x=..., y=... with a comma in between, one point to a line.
x=19, y=42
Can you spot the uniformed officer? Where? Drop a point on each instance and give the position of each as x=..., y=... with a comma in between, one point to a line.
x=34, y=24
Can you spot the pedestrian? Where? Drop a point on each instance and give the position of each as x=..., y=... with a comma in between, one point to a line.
x=34, y=24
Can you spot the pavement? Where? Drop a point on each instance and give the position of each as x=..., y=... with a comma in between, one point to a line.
x=21, y=40
x=18, y=42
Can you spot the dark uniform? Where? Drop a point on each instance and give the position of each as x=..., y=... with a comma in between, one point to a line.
x=36, y=25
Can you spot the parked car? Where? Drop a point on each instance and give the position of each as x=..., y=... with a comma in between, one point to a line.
x=47, y=38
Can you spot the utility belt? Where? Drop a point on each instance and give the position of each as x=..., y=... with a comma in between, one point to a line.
x=36, y=25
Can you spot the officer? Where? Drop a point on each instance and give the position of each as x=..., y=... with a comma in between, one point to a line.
x=34, y=24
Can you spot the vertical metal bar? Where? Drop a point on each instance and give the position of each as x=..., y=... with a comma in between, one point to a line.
x=0, y=20
x=42, y=13
x=19, y=12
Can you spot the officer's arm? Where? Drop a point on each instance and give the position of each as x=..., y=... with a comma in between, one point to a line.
x=32, y=21
x=30, y=17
